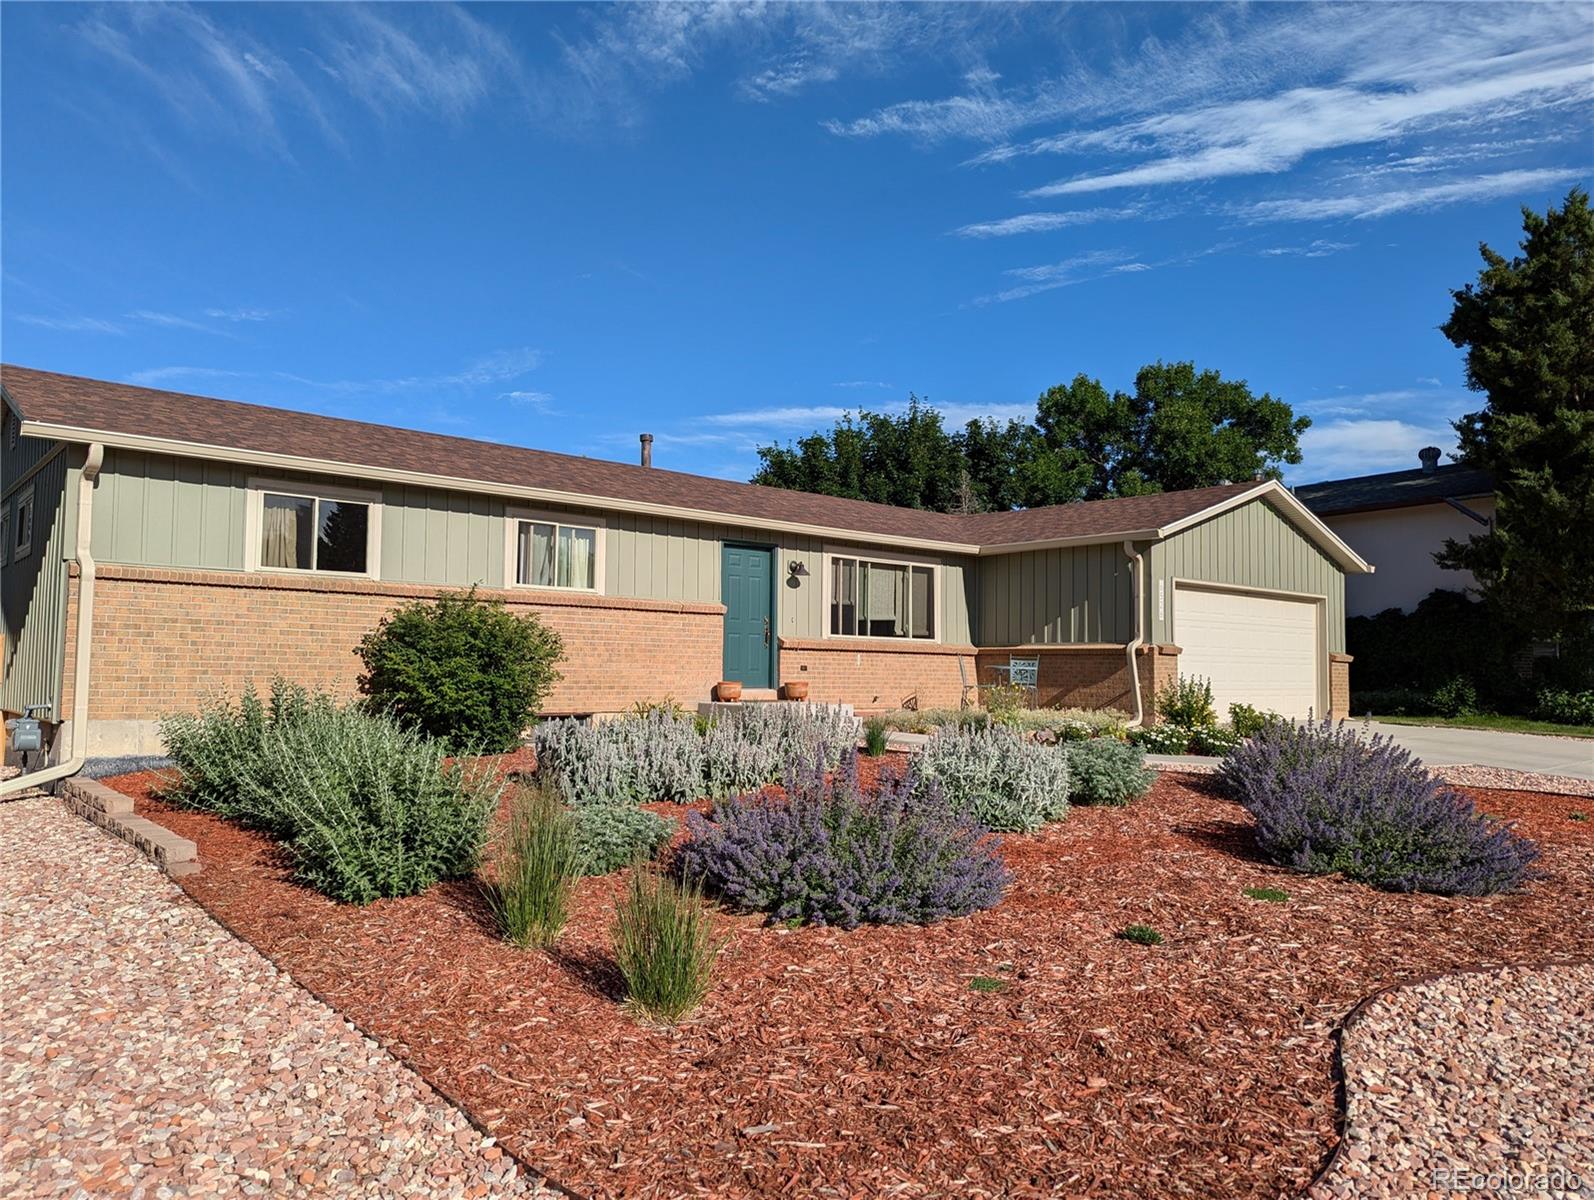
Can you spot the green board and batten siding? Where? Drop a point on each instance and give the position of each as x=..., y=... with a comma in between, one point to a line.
x=1250, y=546
x=154, y=510
x=1047, y=597
x=33, y=589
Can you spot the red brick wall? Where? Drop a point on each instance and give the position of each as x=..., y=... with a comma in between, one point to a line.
x=1088, y=675
x=1339, y=686
x=164, y=638
x=875, y=675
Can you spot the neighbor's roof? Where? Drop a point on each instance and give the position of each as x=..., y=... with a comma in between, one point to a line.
x=1395, y=489
x=72, y=408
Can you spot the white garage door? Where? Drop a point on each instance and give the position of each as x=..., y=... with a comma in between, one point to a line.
x=1259, y=650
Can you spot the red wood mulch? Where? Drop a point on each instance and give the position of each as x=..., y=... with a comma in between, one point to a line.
x=863, y=1063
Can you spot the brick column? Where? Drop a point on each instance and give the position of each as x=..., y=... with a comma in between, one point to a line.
x=1339, y=686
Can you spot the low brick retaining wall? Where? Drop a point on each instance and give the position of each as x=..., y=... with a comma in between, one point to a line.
x=113, y=812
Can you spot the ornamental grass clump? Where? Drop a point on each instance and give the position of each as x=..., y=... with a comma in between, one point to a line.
x=1326, y=799
x=825, y=854
x=664, y=945
x=538, y=859
x=1107, y=771
x=997, y=777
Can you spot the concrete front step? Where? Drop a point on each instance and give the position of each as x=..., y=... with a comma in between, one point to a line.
x=113, y=812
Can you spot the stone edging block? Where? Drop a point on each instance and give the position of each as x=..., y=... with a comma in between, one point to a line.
x=113, y=812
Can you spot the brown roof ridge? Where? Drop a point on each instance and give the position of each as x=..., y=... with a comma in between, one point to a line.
x=53, y=398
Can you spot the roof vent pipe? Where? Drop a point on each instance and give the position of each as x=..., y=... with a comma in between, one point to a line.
x=1429, y=455
x=647, y=450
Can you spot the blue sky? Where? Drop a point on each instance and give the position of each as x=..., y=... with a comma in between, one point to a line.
x=560, y=226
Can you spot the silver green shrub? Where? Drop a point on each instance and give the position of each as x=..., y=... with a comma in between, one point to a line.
x=1106, y=771
x=661, y=755
x=997, y=777
x=367, y=807
x=611, y=836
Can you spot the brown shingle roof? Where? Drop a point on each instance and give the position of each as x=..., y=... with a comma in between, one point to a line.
x=48, y=398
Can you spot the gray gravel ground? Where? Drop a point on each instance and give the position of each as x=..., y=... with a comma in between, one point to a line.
x=149, y=1053
x=1487, y=1076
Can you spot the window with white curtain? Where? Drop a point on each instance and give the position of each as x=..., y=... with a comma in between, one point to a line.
x=876, y=599
x=553, y=554
x=314, y=532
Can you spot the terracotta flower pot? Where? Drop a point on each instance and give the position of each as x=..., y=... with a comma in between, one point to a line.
x=797, y=689
x=728, y=690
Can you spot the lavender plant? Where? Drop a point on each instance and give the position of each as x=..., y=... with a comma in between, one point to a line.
x=997, y=777
x=826, y=855
x=1326, y=799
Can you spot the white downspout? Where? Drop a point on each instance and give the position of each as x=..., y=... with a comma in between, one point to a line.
x=78, y=730
x=1137, y=577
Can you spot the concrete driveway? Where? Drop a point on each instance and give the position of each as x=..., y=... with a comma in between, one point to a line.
x=1438, y=746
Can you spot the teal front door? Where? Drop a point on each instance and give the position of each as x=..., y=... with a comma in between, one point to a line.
x=747, y=579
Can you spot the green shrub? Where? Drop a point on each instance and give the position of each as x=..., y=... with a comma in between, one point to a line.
x=1004, y=782
x=1141, y=935
x=984, y=983
x=664, y=945
x=537, y=862
x=1213, y=740
x=1564, y=707
x=465, y=671
x=611, y=836
x=875, y=736
x=1065, y=724
x=1107, y=771
x=1161, y=739
x=1457, y=697
x=1447, y=635
x=928, y=720
x=1247, y=721
x=1005, y=698
x=1392, y=702
x=1271, y=895
x=1187, y=701
x=367, y=807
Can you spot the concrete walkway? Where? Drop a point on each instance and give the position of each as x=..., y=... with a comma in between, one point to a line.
x=149, y=1053
x=1439, y=746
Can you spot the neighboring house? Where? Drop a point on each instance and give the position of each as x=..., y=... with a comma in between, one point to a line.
x=216, y=544
x=1400, y=520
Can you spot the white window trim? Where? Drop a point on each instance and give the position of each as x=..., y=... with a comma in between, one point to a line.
x=831, y=553
x=512, y=519
x=23, y=499
x=253, y=519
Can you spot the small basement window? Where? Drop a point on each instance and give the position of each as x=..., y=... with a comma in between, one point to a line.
x=881, y=599
x=552, y=553
x=319, y=532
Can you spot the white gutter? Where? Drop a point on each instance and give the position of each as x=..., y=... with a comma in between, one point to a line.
x=78, y=729
x=1137, y=579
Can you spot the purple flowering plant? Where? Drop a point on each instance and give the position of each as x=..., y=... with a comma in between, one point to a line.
x=826, y=854
x=1328, y=799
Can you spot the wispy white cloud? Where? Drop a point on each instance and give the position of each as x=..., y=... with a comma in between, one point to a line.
x=169, y=320
x=499, y=367
x=1357, y=447
x=863, y=383
x=536, y=401
x=787, y=421
x=1316, y=248
x=1043, y=222
x=1387, y=200
x=791, y=417
x=219, y=77
x=70, y=324
x=241, y=314
x=1046, y=277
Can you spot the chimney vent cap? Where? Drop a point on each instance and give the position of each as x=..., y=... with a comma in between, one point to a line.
x=1429, y=457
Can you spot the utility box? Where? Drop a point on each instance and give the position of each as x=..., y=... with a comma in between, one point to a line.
x=26, y=733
